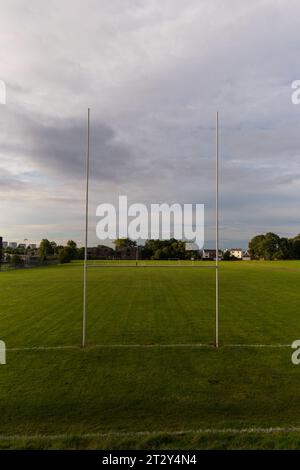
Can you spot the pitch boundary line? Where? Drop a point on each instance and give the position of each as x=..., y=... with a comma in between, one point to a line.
x=147, y=346
x=251, y=430
x=149, y=266
x=41, y=348
x=257, y=346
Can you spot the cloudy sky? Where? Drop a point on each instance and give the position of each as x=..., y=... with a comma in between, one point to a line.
x=154, y=72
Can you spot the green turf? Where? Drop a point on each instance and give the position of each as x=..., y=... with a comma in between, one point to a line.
x=156, y=389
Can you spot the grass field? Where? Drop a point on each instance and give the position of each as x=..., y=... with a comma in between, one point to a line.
x=144, y=381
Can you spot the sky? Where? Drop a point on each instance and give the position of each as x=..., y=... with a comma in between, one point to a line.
x=154, y=73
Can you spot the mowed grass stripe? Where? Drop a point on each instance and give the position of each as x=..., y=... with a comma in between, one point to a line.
x=44, y=306
x=39, y=304
x=146, y=305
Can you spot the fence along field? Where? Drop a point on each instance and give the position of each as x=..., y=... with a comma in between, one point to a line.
x=120, y=389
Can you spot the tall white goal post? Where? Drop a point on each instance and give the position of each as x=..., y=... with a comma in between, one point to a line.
x=86, y=266
x=217, y=230
x=86, y=231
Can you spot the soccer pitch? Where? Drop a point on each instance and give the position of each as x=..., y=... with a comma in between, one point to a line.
x=150, y=376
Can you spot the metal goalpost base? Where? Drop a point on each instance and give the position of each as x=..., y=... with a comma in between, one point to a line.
x=136, y=265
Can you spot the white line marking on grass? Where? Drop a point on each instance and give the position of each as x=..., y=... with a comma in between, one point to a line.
x=257, y=346
x=147, y=346
x=189, y=345
x=42, y=348
x=149, y=266
x=251, y=430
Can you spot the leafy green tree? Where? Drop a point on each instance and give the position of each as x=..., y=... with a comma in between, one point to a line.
x=158, y=254
x=164, y=249
x=256, y=247
x=284, y=250
x=73, y=246
x=150, y=247
x=271, y=247
x=295, y=247
x=66, y=254
x=45, y=249
x=124, y=243
x=80, y=253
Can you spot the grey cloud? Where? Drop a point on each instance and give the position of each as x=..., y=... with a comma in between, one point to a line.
x=9, y=182
x=59, y=147
x=155, y=75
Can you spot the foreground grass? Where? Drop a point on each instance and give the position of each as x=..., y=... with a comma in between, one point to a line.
x=112, y=394
x=73, y=393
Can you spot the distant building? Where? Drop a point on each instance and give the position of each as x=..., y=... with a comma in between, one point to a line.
x=211, y=254
x=191, y=246
x=4, y=245
x=22, y=246
x=32, y=246
x=246, y=256
x=236, y=252
x=12, y=245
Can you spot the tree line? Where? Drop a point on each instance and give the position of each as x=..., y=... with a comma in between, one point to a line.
x=47, y=251
x=159, y=249
x=64, y=254
x=271, y=246
x=153, y=249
